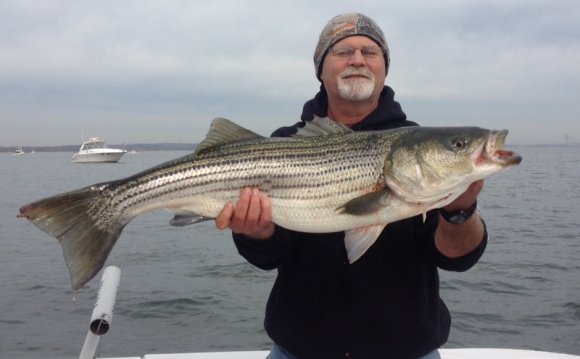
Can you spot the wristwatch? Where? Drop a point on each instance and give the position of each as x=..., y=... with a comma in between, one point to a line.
x=459, y=216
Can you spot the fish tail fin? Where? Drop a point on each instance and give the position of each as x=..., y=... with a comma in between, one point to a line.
x=85, y=227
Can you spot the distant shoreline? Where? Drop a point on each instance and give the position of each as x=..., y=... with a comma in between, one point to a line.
x=175, y=147
x=129, y=147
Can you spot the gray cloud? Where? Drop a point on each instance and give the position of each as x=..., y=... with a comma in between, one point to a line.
x=152, y=71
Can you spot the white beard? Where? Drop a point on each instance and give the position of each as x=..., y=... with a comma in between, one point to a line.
x=356, y=89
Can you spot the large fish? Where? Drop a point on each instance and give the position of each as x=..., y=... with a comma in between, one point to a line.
x=326, y=178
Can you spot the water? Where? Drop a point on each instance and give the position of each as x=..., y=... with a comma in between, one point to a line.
x=187, y=289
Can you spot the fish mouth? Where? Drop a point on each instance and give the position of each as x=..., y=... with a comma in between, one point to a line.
x=494, y=151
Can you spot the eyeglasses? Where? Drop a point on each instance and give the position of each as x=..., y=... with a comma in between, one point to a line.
x=347, y=52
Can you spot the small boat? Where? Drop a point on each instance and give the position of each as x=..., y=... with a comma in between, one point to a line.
x=19, y=151
x=95, y=150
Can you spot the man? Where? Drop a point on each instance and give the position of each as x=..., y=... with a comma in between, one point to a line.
x=386, y=304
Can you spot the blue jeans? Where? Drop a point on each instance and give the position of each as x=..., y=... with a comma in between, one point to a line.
x=280, y=353
x=431, y=355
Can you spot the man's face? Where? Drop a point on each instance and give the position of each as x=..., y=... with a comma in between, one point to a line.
x=357, y=76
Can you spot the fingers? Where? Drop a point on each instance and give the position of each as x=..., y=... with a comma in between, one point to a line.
x=223, y=220
x=265, y=219
x=252, y=215
x=248, y=209
x=472, y=192
x=467, y=198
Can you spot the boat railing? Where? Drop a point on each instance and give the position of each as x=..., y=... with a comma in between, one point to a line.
x=102, y=316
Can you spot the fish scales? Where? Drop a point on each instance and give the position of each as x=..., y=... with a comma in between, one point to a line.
x=346, y=167
x=327, y=179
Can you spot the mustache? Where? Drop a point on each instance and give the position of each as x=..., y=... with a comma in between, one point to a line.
x=357, y=72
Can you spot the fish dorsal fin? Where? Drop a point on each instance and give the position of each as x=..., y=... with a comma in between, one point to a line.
x=224, y=131
x=322, y=126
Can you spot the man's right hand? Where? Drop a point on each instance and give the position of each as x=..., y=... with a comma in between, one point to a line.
x=251, y=216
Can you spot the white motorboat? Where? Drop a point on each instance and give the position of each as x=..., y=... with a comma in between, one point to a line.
x=19, y=151
x=95, y=150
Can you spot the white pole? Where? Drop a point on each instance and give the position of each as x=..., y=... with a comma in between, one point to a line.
x=103, y=313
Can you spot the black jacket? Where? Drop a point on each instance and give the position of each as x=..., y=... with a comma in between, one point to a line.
x=388, y=115
x=384, y=305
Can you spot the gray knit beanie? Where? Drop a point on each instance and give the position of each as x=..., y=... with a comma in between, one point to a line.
x=346, y=25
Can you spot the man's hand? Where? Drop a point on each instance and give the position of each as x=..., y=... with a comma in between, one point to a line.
x=251, y=216
x=456, y=240
x=467, y=198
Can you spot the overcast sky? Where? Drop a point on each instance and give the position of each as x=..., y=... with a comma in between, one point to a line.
x=160, y=71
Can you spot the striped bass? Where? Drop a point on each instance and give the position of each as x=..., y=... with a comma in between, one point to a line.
x=327, y=178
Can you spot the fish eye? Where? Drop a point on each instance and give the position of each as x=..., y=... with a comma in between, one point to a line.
x=458, y=144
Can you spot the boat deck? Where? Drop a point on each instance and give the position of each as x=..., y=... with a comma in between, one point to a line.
x=471, y=353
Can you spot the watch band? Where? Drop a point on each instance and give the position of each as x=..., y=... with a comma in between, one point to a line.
x=459, y=216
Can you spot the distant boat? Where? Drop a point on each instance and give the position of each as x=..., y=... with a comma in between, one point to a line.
x=19, y=151
x=95, y=150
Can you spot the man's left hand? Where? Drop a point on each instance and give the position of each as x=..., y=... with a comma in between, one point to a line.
x=465, y=200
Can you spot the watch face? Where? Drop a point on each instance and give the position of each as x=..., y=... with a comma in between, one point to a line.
x=457, y=218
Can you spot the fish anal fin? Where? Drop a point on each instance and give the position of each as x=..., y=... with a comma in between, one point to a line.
x=186, y=218
x=357, y=241
x=367, y=203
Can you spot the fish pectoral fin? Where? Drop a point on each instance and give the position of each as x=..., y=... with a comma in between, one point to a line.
x=357, y=241
x=367, y=204
x=186, y=218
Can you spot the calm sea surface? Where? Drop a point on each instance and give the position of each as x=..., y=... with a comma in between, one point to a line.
x=186, y=289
